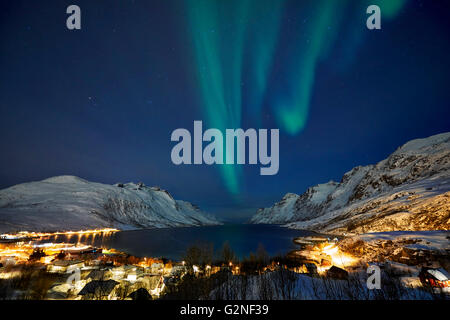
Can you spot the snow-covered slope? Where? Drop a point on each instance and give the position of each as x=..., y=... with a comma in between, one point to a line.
x=408, y=190
x=72, y=203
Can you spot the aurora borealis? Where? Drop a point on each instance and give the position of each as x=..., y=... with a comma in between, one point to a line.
x=237, y=36
x=101, y=102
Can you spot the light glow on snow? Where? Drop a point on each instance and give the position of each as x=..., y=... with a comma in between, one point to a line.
x=338, y=258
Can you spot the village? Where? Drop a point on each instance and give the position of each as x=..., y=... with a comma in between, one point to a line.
x=80, y=271
x=34, y=269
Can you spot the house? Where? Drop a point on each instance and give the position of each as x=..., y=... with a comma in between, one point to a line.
x=157, y=267
x=99, y=290
x=65, y=290
x=178, y=271
x=126, y=272
x=99, y=275
x=140, y=294
x=65, y=266
x=119, y=273
x=7, y=261
x=135, y=273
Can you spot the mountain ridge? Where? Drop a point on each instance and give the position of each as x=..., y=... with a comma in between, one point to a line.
x=416, y=168
x=67, y=202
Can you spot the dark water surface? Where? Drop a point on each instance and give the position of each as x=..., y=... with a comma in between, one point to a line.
x=172, y=242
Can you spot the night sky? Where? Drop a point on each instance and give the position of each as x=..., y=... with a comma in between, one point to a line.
x=101, y=102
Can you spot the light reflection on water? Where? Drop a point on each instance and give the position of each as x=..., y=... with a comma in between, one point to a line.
x=172, y=242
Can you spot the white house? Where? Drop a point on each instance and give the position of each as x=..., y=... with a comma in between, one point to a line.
x=65, y=266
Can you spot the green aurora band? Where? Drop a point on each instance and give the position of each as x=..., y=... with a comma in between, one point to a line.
x=236, y=38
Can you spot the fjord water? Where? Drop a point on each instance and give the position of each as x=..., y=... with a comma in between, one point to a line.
x=172, y=243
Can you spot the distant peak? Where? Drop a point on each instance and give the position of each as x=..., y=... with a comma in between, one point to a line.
x=420, y=144
x=65, y=179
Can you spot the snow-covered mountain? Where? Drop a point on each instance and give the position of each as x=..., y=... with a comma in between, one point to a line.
x=410, y=190
x=71, y=203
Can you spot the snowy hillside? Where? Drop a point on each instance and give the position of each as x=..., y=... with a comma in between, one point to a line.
x=410, y=190
x=71, y=203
